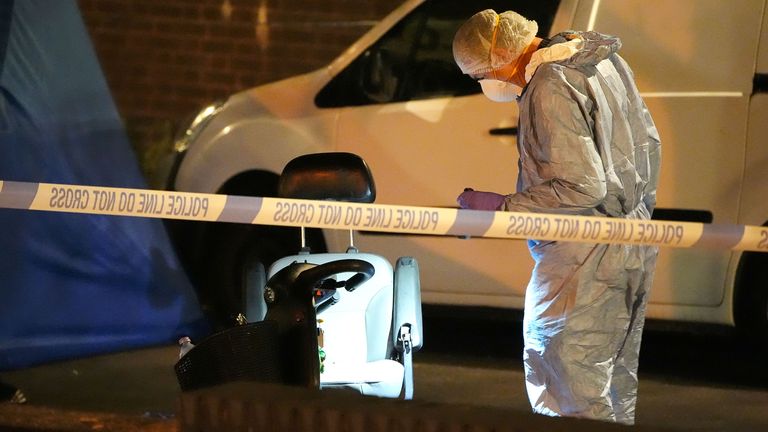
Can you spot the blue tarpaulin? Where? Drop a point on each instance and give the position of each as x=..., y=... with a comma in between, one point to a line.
x=74, y=285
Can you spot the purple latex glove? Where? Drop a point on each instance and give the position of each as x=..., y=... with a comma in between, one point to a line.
x=476, y=200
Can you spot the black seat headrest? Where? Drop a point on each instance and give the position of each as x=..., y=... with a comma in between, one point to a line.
x=334, y=176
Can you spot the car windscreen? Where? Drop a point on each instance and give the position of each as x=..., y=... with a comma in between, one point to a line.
x=414, y=59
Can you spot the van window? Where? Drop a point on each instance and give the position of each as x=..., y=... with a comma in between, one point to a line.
x=414, y=59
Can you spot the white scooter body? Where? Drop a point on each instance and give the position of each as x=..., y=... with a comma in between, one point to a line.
x=368, y=335
x=356, y=328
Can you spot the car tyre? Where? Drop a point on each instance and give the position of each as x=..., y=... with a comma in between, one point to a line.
x=751, y=312
x=234, y=260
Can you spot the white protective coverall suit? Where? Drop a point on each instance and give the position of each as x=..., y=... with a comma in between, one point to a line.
x=588, y=146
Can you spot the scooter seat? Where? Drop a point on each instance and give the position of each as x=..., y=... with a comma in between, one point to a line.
x=383, y=378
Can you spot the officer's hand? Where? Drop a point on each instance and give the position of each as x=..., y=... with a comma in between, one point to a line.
x=476, y=200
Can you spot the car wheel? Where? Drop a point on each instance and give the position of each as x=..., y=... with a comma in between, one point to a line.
x=234, y=258
x=228, y=261
x=751, y=302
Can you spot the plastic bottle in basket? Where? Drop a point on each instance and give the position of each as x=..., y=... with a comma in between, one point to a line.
x=185, y=344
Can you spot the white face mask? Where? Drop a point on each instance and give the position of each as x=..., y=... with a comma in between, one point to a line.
x=500, y=91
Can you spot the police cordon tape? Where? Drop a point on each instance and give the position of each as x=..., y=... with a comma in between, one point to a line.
x=376, y=217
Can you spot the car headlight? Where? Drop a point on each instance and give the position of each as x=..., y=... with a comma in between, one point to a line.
x=186, y=136
x=170, y=163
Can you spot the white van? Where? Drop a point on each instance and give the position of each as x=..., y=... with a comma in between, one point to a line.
x=396, y=98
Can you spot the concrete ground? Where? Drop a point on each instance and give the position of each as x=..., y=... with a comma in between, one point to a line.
x=687, y=382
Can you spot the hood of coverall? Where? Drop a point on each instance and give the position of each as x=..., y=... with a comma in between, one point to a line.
x=594, y=48
x=597, y=47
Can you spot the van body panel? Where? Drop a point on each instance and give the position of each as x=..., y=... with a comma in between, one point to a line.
x=252, y=133
x=754, y=205
x=449, y=148
x=686, y=45
x=566, y=15
x=762, y=53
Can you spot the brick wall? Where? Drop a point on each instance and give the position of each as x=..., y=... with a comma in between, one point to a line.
x=164, y=59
